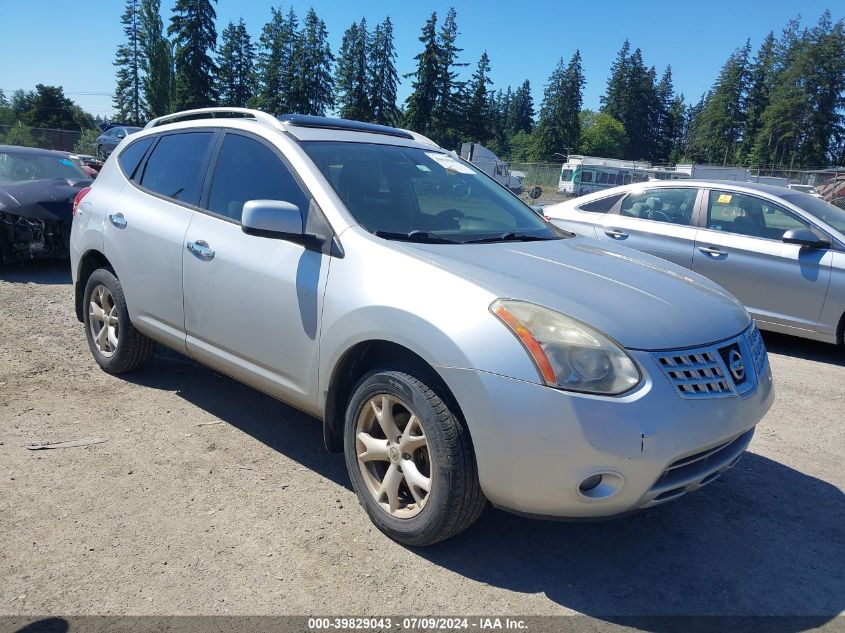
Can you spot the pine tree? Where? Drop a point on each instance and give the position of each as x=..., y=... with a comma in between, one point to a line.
x=424, y=94
x=275, y=69
x=447, y=111
x=521, y=110
x=128, y=60
x=477, y=120
x=313, y=84
x=761, y=75
x=383, y=78
x=195, y=39
x=157, y=58
x=664, y=129
x=639, y=108
x=559, y=128
x=351, y=75
x=617, y=84
x=678, y=123
x=235, y=60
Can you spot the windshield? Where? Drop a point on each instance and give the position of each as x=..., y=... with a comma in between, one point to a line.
x=424, y=195
x=824, y=211
x=16, y=167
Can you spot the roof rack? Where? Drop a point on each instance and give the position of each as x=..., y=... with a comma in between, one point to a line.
x=216, y=113
x=307, y=120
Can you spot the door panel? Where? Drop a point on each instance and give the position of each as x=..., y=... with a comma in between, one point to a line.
x=783, y=284
x=656, y=221
x=252, y=309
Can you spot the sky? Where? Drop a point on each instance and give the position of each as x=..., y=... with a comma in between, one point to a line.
x=72, y=44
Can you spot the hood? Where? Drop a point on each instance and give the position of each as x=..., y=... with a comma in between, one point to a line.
x=641, y=301
x=41, y=199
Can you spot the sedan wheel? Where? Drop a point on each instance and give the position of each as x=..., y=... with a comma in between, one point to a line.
x=104, y=321
x=393, y=456
x=101, y=153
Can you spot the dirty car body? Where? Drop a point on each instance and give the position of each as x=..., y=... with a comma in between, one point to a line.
x=590, y=379
x=37, y=189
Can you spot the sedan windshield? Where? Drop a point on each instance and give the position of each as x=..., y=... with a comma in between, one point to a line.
x=824, y=211
x=17, y=167
x=411, y=194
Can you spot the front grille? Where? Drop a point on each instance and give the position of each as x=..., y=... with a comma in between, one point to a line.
x=758, y=349
x=705, y=372
x=697, y=375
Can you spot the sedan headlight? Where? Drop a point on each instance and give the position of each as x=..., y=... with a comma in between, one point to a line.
x=568, y=354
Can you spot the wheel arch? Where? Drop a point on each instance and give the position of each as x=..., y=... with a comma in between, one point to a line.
x=88, y=263
x=361, y=358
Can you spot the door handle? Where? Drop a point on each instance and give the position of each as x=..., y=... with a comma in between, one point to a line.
x=201, y=249
x=713, y=251
x=616, y=234
x=118, y=220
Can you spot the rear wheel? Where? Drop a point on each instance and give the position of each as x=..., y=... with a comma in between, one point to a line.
x=101, y=153
x=410, y=459
x=115, y=343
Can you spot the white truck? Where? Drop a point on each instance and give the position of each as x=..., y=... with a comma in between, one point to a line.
x=493, y=166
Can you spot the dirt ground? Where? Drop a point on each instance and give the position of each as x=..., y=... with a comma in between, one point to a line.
x=211, y=498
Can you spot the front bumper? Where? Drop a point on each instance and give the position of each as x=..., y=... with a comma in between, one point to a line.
x=535, y=445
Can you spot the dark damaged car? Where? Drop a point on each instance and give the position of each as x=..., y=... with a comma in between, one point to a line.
x=37, y=192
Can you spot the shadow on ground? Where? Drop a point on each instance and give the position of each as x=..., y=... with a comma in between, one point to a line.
x=764, y=540
x=48, y=272
x=804, y=348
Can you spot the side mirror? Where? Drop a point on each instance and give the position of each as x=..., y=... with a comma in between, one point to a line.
x=804, y=237
x=535, y=193
x=272, y=218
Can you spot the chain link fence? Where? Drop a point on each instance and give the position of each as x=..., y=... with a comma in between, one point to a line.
x=79, y=141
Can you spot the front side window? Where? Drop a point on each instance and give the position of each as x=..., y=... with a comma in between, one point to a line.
x=130, y=158
x=426, y=194
x=175, y=166
x=824, y=211
x=748, y=215
x=249, y=170
x=661, y=205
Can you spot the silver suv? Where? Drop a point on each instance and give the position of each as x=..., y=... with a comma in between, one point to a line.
x=457, y=347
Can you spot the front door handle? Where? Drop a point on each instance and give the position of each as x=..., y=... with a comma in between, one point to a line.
x=616, y=234
x=712, y=251
x=201, y=249
x=118, y=220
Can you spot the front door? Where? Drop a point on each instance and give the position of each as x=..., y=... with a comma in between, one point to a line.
x=252, y=304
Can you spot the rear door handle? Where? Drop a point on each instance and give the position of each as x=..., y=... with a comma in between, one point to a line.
x=713, y=251
x=118, y=220
x=616, y=234
x=201, y=249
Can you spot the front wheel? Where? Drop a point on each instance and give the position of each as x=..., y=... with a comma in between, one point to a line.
x=410, y=459
x=101, y=153
x=115, y=343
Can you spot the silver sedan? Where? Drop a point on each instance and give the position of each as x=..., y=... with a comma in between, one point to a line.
x=780, y=252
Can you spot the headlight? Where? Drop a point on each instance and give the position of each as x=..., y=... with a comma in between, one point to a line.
x=568, y=354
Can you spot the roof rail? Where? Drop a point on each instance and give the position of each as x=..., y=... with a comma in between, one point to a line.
x=216, y=113
x=307, y=120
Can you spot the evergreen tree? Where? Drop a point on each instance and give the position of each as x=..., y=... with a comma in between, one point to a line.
x=601, y=135
x=275, y=69
x=351, y=78
x=424, y=88
x=559, y=128
x=195, y=39
x=613, y=101
x=157, y=58
x=448, y=108
x=383, y=79
x=664, y=130
x=477, y=120
x=761, y=75
x=313, y=84
x=678, y=126
x=128, y=60
x=235, y=61
x=521, y=110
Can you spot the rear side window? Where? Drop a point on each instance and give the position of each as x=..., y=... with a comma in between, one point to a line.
x=602, y=205
x=175, y=166
x=249, y=170
x=130, y=158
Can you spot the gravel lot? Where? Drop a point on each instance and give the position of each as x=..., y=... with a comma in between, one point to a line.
x=211, y=498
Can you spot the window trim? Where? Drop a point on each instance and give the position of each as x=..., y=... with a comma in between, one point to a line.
x=144, y=156
x=621, y=196
x=694, y=222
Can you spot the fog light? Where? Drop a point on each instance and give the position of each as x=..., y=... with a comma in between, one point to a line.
x=589, y=483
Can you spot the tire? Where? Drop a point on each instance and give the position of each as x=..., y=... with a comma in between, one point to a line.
x=123, y=349
x=454, y=499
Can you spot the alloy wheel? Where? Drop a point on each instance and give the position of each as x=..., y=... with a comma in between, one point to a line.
x=103, y=320
x=393, y=456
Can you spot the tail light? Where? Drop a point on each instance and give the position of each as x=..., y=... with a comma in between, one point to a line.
x=82, y=193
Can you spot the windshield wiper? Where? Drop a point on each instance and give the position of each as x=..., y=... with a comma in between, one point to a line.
x=423, y=237
x=510, y=236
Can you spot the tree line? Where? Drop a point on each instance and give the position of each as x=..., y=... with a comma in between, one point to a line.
x=782, y=105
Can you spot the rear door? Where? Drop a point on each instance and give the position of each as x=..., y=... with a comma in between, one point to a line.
x=658, y=221
x=253, y=304
x=740, y=247
x=145, y=228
